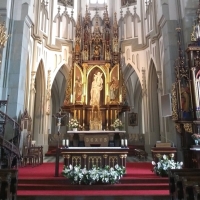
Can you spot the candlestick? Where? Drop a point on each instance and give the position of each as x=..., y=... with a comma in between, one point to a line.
x=125, y=142
x=63, y=142
x=122, y=143
x=67, y=143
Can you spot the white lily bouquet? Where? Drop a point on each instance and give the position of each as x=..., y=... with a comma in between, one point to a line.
x=162, y=167
x=73, y=123
x=117, y=124
x=108, y=174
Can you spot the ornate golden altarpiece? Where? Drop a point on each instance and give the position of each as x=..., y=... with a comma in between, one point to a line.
x=96, y=93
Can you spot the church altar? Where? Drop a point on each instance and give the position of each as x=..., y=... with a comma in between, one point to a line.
x=95, y=96
x=96, y=138
x=90, y=156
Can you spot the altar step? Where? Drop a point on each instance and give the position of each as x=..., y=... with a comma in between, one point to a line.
x=63, y=184
x=39, y=183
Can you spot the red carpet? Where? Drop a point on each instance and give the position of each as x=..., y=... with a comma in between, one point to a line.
x=139, y=180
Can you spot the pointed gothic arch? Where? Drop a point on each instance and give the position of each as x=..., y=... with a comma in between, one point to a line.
x=153, y=103
x=59, y=80
x=39, y=108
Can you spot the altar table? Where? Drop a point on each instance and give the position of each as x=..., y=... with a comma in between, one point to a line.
x=99, y=138
x=90, y=156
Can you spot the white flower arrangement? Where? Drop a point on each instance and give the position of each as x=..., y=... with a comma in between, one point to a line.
x=117, y=124
x=73, y=123
x=165, y=164
x=95, y=175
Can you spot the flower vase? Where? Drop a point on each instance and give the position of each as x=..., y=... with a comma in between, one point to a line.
x=74, y=129
x=116, y=129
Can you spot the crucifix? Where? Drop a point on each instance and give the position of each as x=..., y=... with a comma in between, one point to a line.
x=59, y=116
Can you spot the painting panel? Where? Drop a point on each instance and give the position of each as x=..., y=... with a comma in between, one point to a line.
x=132, y=119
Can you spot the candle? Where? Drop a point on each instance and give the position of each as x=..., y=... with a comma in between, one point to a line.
x=67, y=142
x=125, y=143
x=122, y=142
x=63, y=142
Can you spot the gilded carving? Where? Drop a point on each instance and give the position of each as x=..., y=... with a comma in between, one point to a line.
x=3, y=35
x=94, y=160
x=96, y=85
x=188, y=127
x=178, y=127
x=174, y=103
x=113, y=160
x=76, y=160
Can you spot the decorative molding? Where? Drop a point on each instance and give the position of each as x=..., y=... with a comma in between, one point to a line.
x=144, y=88
x=159, y=74
x=33, y=74
x=48, y=96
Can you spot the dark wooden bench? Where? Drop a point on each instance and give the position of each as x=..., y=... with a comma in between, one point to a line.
x=188, y=184
x=196, y=192
x=8, y=186
x=176, y=178
x=32, y=155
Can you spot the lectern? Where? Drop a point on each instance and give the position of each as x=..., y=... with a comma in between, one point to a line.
x=163, y=149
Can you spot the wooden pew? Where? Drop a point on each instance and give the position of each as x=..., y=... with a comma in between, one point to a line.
x=8, y=189
x=196, y=192
x=188, y=184
x=175, y=181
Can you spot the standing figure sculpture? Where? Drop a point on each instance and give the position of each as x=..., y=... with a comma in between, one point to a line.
x=97, y=86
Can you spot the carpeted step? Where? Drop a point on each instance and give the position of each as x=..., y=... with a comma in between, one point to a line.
x=133, y=186
x=63, y=180
x=85, y=193
x=138, y=181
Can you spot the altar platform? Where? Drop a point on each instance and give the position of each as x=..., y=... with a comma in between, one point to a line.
x=90, y=156
x=97, y=138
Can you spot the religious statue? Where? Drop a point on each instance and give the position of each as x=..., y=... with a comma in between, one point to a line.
x=96, y=55
x=77, y=46
x=114, y=88
x=85, y=53
x=97, y=86
x=107, y=53
x=78, y=89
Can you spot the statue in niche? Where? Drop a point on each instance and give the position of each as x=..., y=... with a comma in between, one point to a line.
x=85, y=53
x=107, y=53
x=96, y=55
x=114, y=88
x=97, y=86
x=77, y=46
